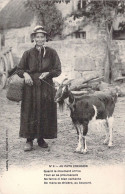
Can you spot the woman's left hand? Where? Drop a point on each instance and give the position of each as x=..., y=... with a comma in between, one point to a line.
x=43, y=75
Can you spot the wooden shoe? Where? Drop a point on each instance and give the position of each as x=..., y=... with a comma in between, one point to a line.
x=28, y=146
x=43, y=144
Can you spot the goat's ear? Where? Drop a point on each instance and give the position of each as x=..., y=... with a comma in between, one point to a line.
x=69, y=84
x=56, y=84
x=64, y=85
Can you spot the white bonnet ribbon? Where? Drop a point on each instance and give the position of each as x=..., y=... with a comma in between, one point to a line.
x=44, y=51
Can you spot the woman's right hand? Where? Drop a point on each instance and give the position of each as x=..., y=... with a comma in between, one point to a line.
x=28, y=79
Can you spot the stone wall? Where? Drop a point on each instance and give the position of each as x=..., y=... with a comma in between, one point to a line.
x=15, y=37
x=78, y=56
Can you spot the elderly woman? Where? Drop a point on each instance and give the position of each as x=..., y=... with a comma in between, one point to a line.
x=38, y=110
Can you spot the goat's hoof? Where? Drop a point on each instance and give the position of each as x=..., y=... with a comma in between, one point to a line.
x=110, y=145
x=78, y=150
x=84, y=151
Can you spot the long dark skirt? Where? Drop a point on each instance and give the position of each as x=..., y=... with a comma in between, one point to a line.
x=38, y=111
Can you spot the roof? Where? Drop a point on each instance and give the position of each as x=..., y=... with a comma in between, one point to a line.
x=3, y=3
x=15, y=15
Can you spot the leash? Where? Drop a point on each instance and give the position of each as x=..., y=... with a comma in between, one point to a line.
x=48, y=83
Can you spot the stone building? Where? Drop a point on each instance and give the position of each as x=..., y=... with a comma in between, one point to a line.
x=15, y=23
x=82, y=51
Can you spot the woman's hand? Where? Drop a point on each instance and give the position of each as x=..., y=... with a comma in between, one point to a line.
x=28, y=79
x=43, y=75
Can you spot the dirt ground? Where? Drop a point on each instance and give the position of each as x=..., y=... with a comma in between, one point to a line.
x=61, y=150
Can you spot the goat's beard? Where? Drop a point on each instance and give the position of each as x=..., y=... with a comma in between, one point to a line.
x=61, y=105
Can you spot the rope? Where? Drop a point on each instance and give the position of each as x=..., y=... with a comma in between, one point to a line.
x=48, y=83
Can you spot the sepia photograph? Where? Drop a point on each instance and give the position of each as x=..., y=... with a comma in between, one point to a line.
x=62, y=96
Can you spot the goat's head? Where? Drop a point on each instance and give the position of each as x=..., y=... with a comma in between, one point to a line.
x=62, y=92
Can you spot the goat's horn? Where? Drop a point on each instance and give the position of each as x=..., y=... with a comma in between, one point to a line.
x=63, y=81
x=69, y=81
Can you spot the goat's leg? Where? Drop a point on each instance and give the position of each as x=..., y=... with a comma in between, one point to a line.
x=84, y=133
x=84, y=150
x=75, y=125
x=80, y=143
x=110, y=124
x=82, y=147
x=107, y=133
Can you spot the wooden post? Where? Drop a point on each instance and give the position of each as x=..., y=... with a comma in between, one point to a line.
x=81, y=4
x=107, y=67
x=6, y=64
x=1, y=66
x=4, y=73
x=11, y=59
x=0, y=41
x=8, y=61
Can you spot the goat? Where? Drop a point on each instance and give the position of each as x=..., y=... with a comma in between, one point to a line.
x=86, y=108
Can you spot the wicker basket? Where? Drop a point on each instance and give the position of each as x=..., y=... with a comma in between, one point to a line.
x=15, y=88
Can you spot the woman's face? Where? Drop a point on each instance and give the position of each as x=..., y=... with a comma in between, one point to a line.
x=40, y=39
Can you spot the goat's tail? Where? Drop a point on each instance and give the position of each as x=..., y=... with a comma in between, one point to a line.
x=115, y=97
x=115, y=93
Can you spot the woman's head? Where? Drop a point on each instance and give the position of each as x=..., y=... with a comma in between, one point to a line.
x=40, y=39
x=39, y=35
